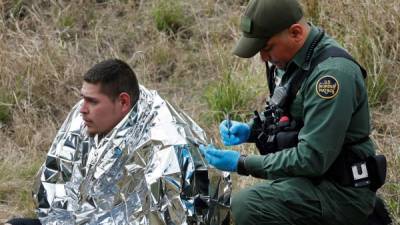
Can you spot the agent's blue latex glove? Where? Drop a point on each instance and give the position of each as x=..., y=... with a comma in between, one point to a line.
x=226, y=160
x=233, y=132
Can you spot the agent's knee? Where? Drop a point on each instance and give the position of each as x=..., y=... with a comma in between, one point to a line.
x=257, y=204
x=240, y=207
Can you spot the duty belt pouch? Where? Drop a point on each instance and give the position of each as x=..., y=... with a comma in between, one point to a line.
x=377, y=167
x=273, y=143
x=340, y=170
x=286, y=139
x=266, y=143
x=349, y=170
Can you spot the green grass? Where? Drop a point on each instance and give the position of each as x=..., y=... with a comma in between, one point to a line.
x=377, y=87
x=17, y=8
x=66, y=21
x=391, y=194
x=169, y=15
x=16, y=180
x=6, y=102
x=229, y=96
x=377, y=79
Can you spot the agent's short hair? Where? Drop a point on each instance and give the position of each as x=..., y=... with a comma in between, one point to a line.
x=114, y=77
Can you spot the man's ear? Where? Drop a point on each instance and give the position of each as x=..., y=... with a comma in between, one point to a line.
x=297, y=32
x=125, y=101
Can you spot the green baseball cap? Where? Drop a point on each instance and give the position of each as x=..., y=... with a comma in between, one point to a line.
x=261, y=20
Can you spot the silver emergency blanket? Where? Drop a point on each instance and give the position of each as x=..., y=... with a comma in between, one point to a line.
x=147, y=170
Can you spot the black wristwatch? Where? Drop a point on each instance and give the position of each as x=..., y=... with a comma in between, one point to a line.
x=241, y=168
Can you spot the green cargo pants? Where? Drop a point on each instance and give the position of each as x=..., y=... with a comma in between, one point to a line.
x=298, y=201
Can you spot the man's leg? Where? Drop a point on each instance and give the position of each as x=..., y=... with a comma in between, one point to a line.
x=298, y=201
x=23, y=222
x=380, y=215
x=291, y=201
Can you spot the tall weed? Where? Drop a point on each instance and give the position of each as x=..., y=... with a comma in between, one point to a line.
x=229, y=97
x=169, y=15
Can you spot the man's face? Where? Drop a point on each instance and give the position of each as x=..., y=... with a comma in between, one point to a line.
x=99, y=111
x=279, y=49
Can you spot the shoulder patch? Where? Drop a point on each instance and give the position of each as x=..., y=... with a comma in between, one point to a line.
x=327, y=87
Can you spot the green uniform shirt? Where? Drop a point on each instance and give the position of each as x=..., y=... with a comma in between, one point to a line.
x=332, y=102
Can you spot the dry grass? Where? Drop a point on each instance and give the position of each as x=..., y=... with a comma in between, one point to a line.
x=46, y=46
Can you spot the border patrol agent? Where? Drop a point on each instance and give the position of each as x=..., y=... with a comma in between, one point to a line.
x=316, y=155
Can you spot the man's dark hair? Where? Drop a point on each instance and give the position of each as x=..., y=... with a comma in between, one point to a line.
x=115, y=77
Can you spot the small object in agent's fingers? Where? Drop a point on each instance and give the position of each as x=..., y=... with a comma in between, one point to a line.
x=228, y=123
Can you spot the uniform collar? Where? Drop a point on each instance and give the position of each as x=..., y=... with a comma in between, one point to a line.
x=299, y=58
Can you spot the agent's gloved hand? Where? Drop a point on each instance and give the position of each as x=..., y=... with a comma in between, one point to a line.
x=233, y=132
x=226, y=160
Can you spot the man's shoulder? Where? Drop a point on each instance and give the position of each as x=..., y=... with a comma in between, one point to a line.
x=340, y=67
x=332, y=58
x=334, y=70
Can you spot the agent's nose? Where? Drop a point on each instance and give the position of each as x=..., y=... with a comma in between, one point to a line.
x=264, y=55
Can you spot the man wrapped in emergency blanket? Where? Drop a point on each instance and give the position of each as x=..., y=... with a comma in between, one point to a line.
x=146, y=170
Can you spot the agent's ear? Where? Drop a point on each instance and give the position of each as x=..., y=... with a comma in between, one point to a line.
x=125, y=101
x=297, y=32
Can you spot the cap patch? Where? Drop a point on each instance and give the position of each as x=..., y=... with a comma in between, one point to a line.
x=245, y=24
x=327, y=87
